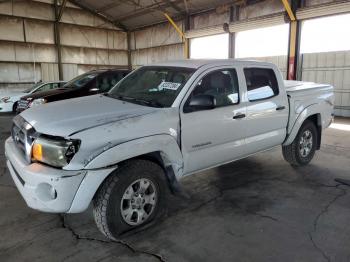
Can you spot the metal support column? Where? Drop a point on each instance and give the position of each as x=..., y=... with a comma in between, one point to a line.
x=128, y=35
x=58, y=14
x=186, y=40
x=293, y=50
x=294, y=39
x=234, y=16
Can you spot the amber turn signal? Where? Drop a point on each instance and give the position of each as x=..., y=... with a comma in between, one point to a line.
x=38, y=152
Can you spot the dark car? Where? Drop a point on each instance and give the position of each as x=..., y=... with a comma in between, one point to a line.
x=90, y=83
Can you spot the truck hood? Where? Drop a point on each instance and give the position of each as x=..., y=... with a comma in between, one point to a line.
x=67, y=117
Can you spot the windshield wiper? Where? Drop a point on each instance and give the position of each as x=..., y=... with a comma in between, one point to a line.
x=138, y=100
x=150, y=103
x=133, y=99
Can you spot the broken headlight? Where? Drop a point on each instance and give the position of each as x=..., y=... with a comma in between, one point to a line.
x=57, y=152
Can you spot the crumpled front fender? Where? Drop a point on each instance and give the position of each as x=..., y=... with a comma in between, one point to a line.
x=163, y=143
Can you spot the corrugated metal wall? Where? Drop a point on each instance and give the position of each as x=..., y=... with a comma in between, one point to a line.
x=156, y=43
x=27, y=43
x=331, y=68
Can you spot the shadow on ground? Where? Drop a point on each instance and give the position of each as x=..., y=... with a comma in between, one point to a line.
x=256, y=209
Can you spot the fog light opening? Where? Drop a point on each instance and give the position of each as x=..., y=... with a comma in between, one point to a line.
x=45, y=192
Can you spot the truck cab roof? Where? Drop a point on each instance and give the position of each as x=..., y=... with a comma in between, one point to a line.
x=197, y=63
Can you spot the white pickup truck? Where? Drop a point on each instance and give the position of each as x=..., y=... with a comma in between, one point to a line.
x=124, y=149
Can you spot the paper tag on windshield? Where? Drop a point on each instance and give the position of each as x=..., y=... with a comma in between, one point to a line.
x=169, y=86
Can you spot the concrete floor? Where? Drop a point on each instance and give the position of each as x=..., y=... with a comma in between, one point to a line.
x=256, y=209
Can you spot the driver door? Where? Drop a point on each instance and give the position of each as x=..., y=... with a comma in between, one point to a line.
x=216, y=136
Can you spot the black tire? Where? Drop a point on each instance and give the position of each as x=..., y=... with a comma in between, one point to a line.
x=107, y=201
x=14, y=107
x=292, y=154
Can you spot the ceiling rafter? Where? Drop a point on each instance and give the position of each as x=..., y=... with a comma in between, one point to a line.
x=155, y=7
x=174, y=5
x=63, y=5
x=106, y=7
x=101, y=15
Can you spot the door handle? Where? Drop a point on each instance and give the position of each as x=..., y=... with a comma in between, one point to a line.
x=280, y=108
x=239, y=116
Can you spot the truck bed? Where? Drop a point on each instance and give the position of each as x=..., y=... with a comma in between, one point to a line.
x=295, y=87
x=302, y=95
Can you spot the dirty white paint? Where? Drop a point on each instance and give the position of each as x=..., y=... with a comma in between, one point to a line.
x=332, y=68
x=92, y=38
x=49, y=72
x=39, y=32
x=19, y=72
x=157, y=54
x=11, y=29
x=210, y=19
x=266, y=7
x=25, y=44
x=159, y=35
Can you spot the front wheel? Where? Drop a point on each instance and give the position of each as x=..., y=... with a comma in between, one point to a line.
x=14, y=107
x=130, y=198
x=301, y=151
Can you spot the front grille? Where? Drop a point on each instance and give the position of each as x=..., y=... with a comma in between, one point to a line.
x=23, y=135
x=18, y=137
x=22, y=104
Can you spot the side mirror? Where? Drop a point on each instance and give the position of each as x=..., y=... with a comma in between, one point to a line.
x=201, y=102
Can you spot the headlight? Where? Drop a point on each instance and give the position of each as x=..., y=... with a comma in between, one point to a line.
x=56, y=152
x=36, y=102
x=5, y=99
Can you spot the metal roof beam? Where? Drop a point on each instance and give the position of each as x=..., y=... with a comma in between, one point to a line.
x=106, y=7
x=157, y=7
x=116, y=23
x=174, y=6
x=59, y=16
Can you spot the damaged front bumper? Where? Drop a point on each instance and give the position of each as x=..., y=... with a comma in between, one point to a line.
x=43, y=188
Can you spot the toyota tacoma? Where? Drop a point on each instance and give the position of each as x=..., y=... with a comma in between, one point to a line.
x=125, y=149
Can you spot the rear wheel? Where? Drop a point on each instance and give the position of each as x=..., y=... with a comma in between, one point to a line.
x=130, y=198
x=301, y=151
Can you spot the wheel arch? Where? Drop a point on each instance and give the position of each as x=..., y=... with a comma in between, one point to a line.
x=312, y=114
x=168, y=157
x=14, y=106
x=161, y=159
x=316, y=119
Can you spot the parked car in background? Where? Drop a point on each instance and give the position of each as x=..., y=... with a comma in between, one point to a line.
x=9, y=101
x=123, y=150
x=91, y=83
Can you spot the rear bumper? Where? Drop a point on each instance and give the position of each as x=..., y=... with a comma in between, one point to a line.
x=43, y=188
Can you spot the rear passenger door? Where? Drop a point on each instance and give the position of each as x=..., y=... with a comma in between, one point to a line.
x=215, y=136
x=267, y=109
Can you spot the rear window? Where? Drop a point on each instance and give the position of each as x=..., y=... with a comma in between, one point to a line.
x=261, y=83
x=81, y=80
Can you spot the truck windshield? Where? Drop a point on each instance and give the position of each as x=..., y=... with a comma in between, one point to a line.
x=80, y=80
x=152, y=86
